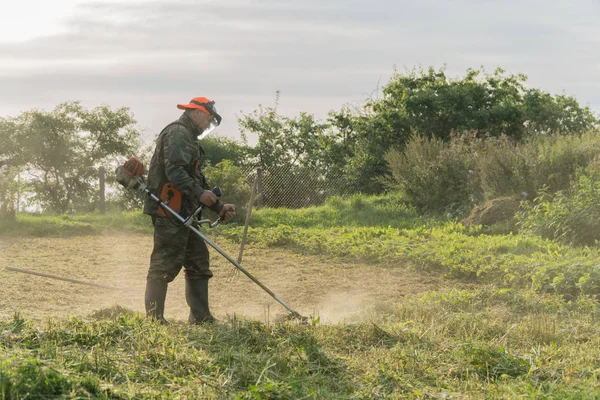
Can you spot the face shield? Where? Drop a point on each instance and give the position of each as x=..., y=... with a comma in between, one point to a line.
x=215, y=118
x=213, y=125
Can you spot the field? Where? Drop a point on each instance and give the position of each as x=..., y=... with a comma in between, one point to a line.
x=333, y=289
x=400, y=306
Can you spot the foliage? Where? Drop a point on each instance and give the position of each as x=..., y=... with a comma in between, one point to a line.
x=218, y=149
x=431, y=104
x=8, y=192
x=299, y=157
x=456, y=175
x=61, y=150
x=233, y=182
x=434, y=175
x=10, y=152
x=571, y=216
x=492, y=104
x=486, y=342
x=523, y=168
x=9, y=160
x=284, y=141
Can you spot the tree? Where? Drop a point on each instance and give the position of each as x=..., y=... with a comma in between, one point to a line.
x=217, y=149
x=299, y=156
x=62, y=150
x=548, y=114
x=8, y=158
x=7, y=191
x=429, y=103
x=284, y=141
x=233, y=182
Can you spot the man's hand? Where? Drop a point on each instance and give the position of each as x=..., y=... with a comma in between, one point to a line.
x=208, y=198
x=227, y=212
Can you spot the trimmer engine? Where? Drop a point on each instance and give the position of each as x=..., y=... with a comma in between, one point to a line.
x=131, y=174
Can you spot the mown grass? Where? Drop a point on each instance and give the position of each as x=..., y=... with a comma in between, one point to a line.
x=488, y=343
x=530, y=329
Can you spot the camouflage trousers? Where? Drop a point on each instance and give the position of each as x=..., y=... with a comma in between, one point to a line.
x=175, y=246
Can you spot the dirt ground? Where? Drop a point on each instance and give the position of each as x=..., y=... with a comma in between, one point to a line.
x=334, y=290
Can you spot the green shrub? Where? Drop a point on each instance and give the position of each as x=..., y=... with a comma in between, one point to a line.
x=571, y=216
x=8, y=192
x=504, y=168
x=433, y=175
x=456, y=175
x=559, y=158
x=233, y=182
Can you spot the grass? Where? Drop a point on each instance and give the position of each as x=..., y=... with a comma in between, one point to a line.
x=488, y=343
x=337, y=212
x=35, y=225
x=530, y=328
x=382, y=231
x=428, y=244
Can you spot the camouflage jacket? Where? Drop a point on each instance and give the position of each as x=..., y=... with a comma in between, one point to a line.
x=179, y=159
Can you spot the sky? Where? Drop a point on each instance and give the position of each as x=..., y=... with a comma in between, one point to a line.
x=150, y=55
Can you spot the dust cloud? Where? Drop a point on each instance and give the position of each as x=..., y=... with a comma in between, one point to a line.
x=344, y=307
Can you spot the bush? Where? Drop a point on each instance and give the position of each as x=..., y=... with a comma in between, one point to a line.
x=433, y=175
x=233, y=182
x=504, y=167
x=572, y=216
x=456, y=175
x=559, y=158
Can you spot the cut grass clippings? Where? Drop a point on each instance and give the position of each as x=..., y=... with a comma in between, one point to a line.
x=488, y=343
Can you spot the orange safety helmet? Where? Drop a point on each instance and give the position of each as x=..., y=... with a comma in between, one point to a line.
x=204, y=104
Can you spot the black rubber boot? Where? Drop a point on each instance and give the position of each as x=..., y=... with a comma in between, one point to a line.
x=196, y=295
x=156, y=293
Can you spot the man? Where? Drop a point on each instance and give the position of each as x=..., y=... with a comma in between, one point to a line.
x=176, y=174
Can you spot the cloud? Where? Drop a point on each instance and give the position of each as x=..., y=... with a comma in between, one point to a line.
x=150, y=55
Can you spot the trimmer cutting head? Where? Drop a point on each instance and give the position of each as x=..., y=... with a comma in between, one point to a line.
x=292, y=317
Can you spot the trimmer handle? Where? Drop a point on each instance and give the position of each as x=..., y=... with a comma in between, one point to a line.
x=218, y=192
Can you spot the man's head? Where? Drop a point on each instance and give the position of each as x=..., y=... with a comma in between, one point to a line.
x=203, y=113
x=201, y=119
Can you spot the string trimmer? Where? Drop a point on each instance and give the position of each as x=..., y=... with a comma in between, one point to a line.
x=131, y=176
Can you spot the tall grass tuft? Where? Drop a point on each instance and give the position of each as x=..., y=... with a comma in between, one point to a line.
x=455, y=175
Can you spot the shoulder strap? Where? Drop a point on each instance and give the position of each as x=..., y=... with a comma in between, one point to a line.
x=162, y=147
